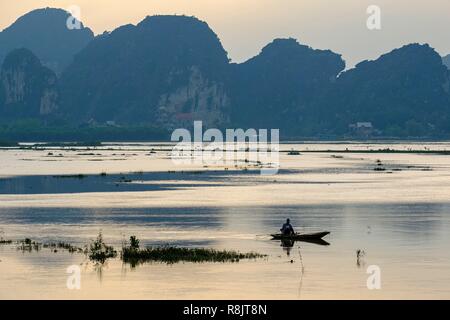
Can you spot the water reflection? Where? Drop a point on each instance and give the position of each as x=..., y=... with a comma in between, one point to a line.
x=129, y=182
x=288, y=244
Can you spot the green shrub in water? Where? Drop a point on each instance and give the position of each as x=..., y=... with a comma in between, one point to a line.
x=99, y=251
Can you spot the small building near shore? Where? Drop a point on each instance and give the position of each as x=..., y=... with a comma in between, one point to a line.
x=362, y=128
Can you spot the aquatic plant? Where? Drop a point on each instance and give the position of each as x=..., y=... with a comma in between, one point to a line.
x=359, y=257
x=99, y=252
x=4, y=241
x=72, y=176
x=134, y=243
x=62, y=245
x=170, y=255
x=29, y=245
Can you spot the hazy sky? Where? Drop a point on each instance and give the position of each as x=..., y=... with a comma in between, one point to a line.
x=245, y=26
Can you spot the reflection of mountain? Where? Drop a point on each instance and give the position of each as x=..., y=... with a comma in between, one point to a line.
x=64, y=184
x=168, y=71
x=169, y=218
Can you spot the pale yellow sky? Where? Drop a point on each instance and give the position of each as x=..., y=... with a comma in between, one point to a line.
x=245, y=26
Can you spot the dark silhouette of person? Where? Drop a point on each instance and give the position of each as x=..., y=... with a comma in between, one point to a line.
x=287, y=228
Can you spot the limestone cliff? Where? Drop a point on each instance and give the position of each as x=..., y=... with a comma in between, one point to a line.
x=198, y=99
x=28, y=88
x=167, y=71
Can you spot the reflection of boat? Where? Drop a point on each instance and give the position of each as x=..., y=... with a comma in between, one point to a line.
x=320, y=242
x=289, y=243
x=300, y=236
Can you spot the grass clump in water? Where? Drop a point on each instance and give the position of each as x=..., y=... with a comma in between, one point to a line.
x=71, y=176
x=63, y=246
x=168, y=254
x=99, y=251
x=29, y=245
x=5, y=241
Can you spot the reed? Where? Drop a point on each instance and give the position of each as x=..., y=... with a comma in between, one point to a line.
x=133, y=255
x=62, y=246
x=29, y=245
x=70, y=176
x=5, y=241
x=99, y=251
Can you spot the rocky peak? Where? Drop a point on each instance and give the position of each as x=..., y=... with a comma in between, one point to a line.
x=45, y=33
x=165, y=70
x=29, y=89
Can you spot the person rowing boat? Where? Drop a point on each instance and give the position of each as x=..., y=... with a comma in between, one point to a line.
x=287, y=229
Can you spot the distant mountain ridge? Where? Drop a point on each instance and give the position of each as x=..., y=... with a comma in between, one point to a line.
x=45, y=33
x=168, y=71
x=280, y=84
x=404, y=92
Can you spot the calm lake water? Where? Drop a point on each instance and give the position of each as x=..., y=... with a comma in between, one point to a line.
x=400, y=218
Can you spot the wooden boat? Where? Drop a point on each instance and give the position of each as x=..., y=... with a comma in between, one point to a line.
x=300, y=236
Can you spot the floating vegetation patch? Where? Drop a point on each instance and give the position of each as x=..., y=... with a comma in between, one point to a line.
x=379, y=166
x=71, y=176
x=99, y=251
x=27, y=245
x=4, y=241
x=125, y=180
x=196, y=172
x=63, y=246
x=51, y=154
x=386, y=150
x=360, y=257
x=170, y=255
